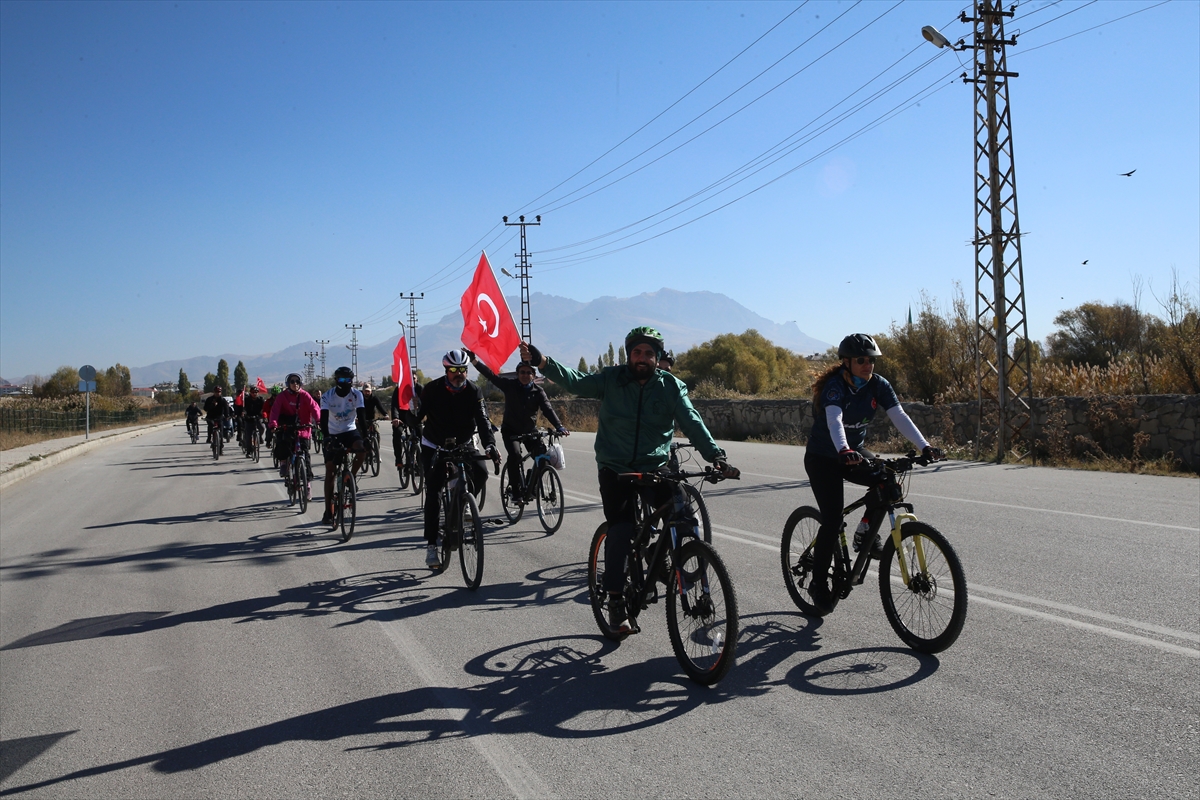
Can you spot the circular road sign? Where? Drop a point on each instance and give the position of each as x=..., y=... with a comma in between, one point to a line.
x=87, y=372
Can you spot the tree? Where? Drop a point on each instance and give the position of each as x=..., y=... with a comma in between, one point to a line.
x=745, y=362
x=185, y=386
x=1179, y=335
x=386, y=382
x=223, y=376
x=621, y=354
x=583, y=365
x=1097, y=334
x=241, y=378
x=610, y=356
x=210, y=382
x=63, y=382
x=114, y=382
x=599, y=363
x=932, y=356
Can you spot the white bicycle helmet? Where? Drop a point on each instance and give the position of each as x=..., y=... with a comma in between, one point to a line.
x=455, y=358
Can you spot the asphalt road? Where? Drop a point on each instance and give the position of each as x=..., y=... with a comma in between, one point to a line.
x=170, y=627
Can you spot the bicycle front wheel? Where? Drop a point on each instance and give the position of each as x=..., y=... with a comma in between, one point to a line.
x=549, y=499
x=513, y=508
x=402, y=465
x=257, y=448
x=702, y=616
x=596, y=593
x=348, y=504
x=376, y=463
x=796, y=555
x=296, y=485
x=697, y=508
x=415, y=470
x=927, y=614
x=470, y=552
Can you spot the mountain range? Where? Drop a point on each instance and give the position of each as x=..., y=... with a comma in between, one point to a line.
x=563, y=328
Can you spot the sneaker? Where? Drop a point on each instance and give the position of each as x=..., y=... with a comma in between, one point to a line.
x=432, y=559
x=618, y=620
x=308, y=494
x=877, y=547
x=327, y=518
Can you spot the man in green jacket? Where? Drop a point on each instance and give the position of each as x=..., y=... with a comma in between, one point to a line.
x=640, y=405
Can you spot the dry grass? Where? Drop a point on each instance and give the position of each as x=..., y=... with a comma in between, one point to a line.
x=13, y=439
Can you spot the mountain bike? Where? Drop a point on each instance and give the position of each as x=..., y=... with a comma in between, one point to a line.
x=921, y=580
x=297, y=483
x=701, y=607
x=680, y=452
x=251, y=443
x=371, y=442
x=318, y=440
x=218, y=440
x=345, y=490
x=459, y=527
x=193, y=429
x=539, y=483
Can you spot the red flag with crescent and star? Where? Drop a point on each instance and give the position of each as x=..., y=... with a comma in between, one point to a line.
x=488, y=326
x=401, y=374
x=262, y=387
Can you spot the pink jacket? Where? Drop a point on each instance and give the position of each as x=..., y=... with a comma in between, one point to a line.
x=298, y=407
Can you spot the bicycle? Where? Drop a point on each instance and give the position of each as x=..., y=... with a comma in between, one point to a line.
x=701, y=608
x=695, y=500
x=345, y=490
x=929, y=611
x=371, y=442
x=297, y=484
x=193, y=429
x=318, y=440
x=409, y=457
x=218, y=440
x=459, y=527
x=539, y=483
x=250, y=441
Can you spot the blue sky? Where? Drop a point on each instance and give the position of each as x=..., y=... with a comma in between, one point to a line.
x=179, y=178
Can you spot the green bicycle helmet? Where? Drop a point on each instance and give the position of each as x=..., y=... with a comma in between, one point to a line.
x=276, y=389
x=644, y=335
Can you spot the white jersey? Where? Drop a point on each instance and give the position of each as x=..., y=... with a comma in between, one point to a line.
x=341, y=409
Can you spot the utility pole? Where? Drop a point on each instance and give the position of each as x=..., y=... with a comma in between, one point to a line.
x=353, y=348
x=1004, y=379
x=412, y=327
x=322, y=342
x=523, y=266
x=310, y=370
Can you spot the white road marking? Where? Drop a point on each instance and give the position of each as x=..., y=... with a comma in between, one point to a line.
x=1056, y=511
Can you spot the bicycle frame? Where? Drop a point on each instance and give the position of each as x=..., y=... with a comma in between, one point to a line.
x=857, y=573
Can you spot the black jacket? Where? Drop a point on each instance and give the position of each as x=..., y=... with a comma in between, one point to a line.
x=216, y=408
x=454, y=415
x=521, y=403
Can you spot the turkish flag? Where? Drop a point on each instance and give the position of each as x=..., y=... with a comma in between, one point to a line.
x=488, y=326
x=401, y=374
x=262, y=387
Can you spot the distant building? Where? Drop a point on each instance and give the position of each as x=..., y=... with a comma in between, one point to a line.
x=144, y=392
x=9, y=389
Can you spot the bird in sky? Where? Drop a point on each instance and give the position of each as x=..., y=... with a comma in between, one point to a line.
x=1085, y=261
x=1128, y=174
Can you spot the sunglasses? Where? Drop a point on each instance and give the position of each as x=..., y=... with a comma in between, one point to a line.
x=459, y=370
x=864, y=360
x=293, y=383
x=525, y=372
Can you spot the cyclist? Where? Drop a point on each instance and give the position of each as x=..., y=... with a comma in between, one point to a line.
x=640, y=405
x=292, y=408
x=252, y=414
x=844, y=400
x=343, y=419
x=452, y=410
x=372, y=406
x=405, y=418
x=271, y=395
x=667, y=362
x=215, y=411
x=239, y=408
x=192, y=415
x=522, y=400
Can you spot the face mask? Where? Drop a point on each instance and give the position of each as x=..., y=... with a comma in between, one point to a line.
x=858, y=382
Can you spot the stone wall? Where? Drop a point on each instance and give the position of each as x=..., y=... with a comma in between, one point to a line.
x=1081, y=426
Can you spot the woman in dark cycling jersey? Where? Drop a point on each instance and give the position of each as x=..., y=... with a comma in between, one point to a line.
x=845, y=398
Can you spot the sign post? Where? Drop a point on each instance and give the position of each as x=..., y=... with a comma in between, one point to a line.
x=87, y=385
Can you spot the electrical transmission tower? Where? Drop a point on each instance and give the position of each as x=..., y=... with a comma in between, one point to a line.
x=353, y=348
x=310, y=370
x=1004, y=376
x=322, y=342
x=523, y=266
x=412, y=327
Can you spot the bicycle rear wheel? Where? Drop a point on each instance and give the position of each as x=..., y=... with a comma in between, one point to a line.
x=348, y=504
x=549, y=494
x=513, y=508
x=470, y=551
x=796, y=555
x=927, y=614
x=596, y=593
x=702, y=617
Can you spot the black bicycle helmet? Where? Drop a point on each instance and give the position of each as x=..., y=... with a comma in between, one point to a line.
x=644, y=334
x=293, y=376
x=668, y=357
x=858, y=344
x=343, y=375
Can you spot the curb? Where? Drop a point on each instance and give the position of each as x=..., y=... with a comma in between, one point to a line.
x=25, y=469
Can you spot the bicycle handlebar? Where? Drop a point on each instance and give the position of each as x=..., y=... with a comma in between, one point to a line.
x=652, y=478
